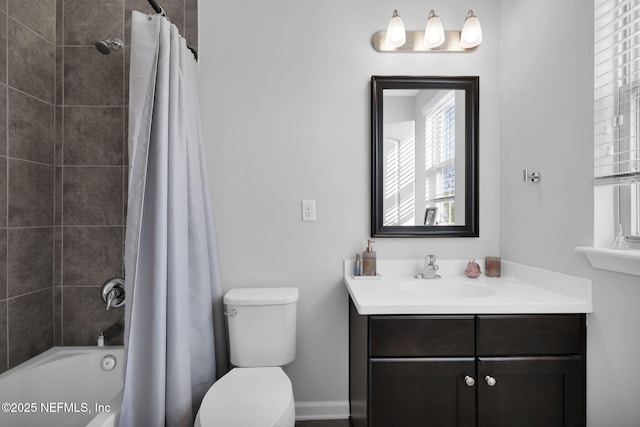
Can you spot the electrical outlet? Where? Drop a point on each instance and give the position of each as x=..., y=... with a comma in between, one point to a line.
x=308, y=210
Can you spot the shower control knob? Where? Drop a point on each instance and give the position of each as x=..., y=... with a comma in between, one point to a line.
x=113, y=293
x=490, y=381
x=469, y=381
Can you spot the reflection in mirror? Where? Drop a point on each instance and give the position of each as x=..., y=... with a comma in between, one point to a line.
x=424, y=156
x=423, y=152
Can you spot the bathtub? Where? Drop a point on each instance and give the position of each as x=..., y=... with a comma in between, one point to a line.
x=64, y=387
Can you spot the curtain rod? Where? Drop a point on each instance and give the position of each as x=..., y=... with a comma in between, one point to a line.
x=157, y=7
x=160, y=10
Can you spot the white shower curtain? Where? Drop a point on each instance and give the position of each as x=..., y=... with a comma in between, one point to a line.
x=174, y=334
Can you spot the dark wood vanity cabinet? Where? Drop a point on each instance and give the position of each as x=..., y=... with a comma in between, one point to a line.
x=467, y=370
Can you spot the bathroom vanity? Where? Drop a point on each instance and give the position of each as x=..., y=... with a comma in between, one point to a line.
x=511, y=354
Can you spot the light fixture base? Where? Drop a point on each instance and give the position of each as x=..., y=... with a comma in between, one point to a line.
x=415, y=43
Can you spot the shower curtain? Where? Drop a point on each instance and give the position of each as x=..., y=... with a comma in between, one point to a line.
x=174, y=334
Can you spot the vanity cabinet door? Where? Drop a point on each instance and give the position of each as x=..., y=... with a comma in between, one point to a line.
x=531, y=392
x=422, y=392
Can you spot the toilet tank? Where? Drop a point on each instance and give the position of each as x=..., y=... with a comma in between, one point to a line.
x=262, y=326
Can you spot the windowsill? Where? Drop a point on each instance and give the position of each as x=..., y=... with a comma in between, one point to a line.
x=622, y=261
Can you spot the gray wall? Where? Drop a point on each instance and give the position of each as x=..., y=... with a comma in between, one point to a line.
x=287, y=107
x=547, y=125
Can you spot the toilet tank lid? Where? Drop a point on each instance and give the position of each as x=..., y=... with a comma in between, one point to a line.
x=261, y=296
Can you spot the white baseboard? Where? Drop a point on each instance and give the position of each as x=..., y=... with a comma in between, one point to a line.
x=325, y=410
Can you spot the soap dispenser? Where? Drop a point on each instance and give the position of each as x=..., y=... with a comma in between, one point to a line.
x=369, y=260
x=357, y=270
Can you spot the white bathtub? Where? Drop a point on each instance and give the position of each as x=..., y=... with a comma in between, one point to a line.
x=63, y=387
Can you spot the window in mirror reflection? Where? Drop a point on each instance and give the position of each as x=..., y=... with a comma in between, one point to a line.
x=423, y=148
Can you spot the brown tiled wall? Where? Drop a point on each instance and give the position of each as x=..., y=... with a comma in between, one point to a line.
x=63, y=164
x=27, y=117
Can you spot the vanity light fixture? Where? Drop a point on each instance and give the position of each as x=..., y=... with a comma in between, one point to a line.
x=433, y=39
x=471, y=35
x=396, y=34
x=434, y=31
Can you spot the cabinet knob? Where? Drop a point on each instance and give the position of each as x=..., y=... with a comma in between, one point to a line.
x=469, y=381
x=490, y=381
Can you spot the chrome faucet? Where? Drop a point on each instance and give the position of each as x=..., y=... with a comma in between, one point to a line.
x=111, y=296
x=113, y=293
x=429, y=269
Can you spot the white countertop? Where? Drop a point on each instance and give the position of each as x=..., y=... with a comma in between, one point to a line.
x=521, y=289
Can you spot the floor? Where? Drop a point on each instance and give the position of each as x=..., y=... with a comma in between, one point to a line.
x=323, y=423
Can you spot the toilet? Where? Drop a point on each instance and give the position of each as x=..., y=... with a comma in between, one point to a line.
x=262, y=338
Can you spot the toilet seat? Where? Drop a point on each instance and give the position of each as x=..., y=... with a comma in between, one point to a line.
x=249, y=397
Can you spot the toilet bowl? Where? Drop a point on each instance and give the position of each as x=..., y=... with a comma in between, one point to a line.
x=249, y=397
x=262, y=338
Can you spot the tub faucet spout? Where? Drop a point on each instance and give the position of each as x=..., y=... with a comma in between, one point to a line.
x=112, y=332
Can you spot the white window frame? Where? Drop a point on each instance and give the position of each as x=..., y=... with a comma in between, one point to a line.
x=440, y=156
x=616, y=135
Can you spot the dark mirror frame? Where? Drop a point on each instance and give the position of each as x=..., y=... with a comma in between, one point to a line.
x=470, y=85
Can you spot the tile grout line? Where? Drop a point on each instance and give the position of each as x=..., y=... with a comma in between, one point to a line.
x=56, y=113
x=26, y=294
x=57, y=151
x=7, y=181
x=14, y=19
x=61, y=201
x=37, y=35
x=30, y=95
x=125, y=133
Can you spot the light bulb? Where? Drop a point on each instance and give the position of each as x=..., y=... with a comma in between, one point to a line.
x=434, y=31
x=471, y=35
x=396, y=36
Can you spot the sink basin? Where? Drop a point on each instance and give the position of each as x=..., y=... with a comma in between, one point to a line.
x=444, y=288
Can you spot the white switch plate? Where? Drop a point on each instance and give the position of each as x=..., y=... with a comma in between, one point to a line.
x=308, y=210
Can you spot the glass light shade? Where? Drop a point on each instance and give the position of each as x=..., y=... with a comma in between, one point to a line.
x=396, y=36
x=471, y=35
x=434, y=31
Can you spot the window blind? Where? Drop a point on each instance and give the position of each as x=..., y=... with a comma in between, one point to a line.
x=399, y=192
x=617, y=92
x=440, y=142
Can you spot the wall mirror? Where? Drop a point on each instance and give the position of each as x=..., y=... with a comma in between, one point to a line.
x=424, y=156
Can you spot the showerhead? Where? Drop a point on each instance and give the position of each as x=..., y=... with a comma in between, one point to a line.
x=105, y=46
